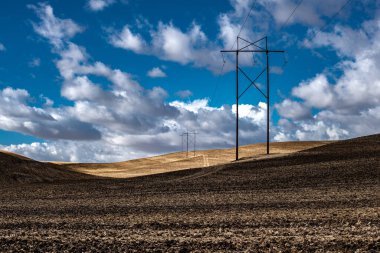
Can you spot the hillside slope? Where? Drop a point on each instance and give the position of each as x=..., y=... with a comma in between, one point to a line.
x=324, y=199
x=338, y=162
x=180, y=160
x=15, y=168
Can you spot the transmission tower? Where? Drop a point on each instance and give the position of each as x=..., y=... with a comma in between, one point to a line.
x=238, y=69
x=188, y=142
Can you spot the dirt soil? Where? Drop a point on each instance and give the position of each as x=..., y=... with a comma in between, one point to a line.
x=324, y=199
x=16, y=169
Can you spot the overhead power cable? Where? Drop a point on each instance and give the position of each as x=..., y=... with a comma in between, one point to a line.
x=333, y=17
x=224, y=61
x=291, y=14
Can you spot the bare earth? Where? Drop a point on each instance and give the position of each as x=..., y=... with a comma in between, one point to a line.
x=322, y=199
x=16, y=169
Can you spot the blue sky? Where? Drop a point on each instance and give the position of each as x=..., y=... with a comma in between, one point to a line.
x=110, y=80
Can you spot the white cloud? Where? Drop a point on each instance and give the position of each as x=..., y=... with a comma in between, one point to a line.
x=315, y=92
x=73, y=151
x=193, y=106
x=81, y=88
x=54, y=29
x=215, y=127
x=167, y=42
x=310, y=12
x=229, y=29
x=17, y=115
x=156, y=72
x=184, y=94
x=175, y=44
x=127, y=40
x=358, y=87
x=118, y=119
x=293, y=110
x=2, y=47
x=344, y=40
x=192, y=46
x=170, y=43
x=347, y=103
x=99, y=5
x=48, y=101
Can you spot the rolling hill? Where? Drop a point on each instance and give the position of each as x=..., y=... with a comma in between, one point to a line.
x=180, y=160
x=323, y=199
x=17, y=169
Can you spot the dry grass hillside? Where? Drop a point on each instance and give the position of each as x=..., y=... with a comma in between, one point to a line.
x=180, y=161
x=15, y=168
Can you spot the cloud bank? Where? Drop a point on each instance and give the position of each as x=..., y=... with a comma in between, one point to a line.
x=347, y=104
x=118, y=119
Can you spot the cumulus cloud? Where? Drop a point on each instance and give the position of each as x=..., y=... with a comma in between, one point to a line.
x=310, y=12
x=230, y=24
x=54, y=29
x=99, y=5
x=346, y=104
x=192, y=46
x=156, y=72
x=169, y=42
x=293, y=110
x=343, y=40
x=315, y=92
x=2, y=47
x=128, y=40
x=177, y=45
x=215, y=126
x=184, y=94
x=118, y=103
x=124, y=120
x=359, y=85
x=73, y=151
x=116, y=119
x=81, y=88
x=49, y=123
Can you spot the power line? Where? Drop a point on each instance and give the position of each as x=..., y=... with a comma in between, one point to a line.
x=242, y=26
x=333, y=17
x=224, y=62
x=316, y=32
x=246, y=18
x=217, y=84
x=285, y=60
x=291, y=14
x=282, y=26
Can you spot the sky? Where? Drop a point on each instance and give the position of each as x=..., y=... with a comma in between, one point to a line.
x=112, y=80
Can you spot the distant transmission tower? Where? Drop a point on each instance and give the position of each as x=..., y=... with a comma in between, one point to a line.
x=188, y=142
